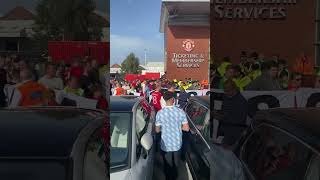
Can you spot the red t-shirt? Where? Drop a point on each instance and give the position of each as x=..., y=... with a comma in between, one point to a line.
x=150, y=87
x=134, y=85
x=76, y=71
x=102, y=103
x=156, y=98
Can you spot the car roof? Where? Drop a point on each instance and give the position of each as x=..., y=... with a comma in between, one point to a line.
x=123, y=103
x=301, y=122
x=205, y=100
x=41, y=132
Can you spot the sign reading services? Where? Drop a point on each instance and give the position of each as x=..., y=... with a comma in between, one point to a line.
x=251, y=9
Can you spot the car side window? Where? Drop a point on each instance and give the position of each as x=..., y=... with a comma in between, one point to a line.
x=207, y=131
x=197, y=114
x=95, y=160
x=272, y=154
x=313, y=172
x=188, y=108
x=142, y=121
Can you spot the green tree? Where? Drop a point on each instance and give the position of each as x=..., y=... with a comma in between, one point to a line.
x=72, y=20
x=131, y=65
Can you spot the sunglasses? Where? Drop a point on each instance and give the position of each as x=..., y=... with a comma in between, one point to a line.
x=298, y=79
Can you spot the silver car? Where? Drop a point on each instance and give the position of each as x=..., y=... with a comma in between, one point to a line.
x=131, y=144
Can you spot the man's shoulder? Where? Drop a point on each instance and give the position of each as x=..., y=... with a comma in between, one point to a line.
x=241, y=97
x=161, y=111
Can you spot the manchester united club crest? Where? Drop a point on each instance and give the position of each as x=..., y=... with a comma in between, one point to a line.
x=188, y=45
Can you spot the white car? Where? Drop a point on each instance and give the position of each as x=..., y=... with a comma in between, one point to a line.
x=131, y=144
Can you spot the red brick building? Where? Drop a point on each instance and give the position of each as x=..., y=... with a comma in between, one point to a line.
x=284, y=28
x=186, y=28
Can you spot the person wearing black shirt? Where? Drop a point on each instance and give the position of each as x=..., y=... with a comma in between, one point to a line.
x=183, y=97
x=235, y=112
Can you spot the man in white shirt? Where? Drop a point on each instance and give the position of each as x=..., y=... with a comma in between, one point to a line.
x=171, y=121
x=50, y=80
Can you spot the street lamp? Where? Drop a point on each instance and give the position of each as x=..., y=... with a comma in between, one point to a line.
x=145, y=57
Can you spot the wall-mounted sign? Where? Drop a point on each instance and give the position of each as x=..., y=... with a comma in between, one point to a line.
x=251, y=9
x=189, y=59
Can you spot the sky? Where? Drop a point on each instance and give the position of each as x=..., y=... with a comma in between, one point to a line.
x=134, y=27
x=6, y=5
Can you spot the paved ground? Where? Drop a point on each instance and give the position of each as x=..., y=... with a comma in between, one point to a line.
x=184, y=173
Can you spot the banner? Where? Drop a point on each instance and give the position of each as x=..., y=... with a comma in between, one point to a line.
x=308, y=97
x=66, y=51
x=260, y=100
x=67, y=99
x=204, y=92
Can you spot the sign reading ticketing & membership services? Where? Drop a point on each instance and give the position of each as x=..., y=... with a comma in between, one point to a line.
x=251, y=9
x=188, y=59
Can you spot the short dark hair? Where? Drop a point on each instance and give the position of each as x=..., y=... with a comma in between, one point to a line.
x=168, y=95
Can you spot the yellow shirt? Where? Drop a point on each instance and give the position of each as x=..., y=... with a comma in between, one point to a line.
x=222, y=68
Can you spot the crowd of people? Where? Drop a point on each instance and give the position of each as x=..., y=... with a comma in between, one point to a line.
x=152, y=90
x=257, y=73
x=144, y=87
x=33, y=82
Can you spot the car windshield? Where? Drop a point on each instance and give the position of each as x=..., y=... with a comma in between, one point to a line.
x=33, y=169
x=120, y=139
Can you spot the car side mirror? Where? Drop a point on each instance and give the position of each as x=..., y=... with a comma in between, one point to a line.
x=146, y=141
